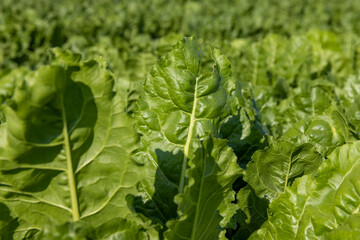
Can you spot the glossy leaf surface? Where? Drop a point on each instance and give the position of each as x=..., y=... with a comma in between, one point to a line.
x=212, y=172
x=187, y=95
x=65, y=147
x=317, y=205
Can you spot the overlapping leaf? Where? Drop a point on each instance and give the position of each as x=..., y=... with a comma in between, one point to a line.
x=65, y=148
x=350, y=229
x=252, y=213
x=245, y=132
x=315, y=206
x=274, y=169
x=349, y=94
x=316, y=124
x=212, y=172
x=185, y=101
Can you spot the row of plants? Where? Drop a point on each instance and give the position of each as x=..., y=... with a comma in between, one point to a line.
x=201, y=156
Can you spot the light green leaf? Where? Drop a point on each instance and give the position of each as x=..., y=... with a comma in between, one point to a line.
x=187, y=95
x=316, y=126
x=66, y=155
x=316, y=205
x=213, y=169
x=116, y=228
x=349, y=94
x=274, y=169
x=350, y=229
x=72, y=230
x=8, y=80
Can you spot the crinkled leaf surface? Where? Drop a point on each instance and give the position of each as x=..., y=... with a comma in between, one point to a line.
x=349, y=94
x=314, y=103
x=324, y=132
x=274, y=58
x=252, y=213
x=322, y=127
x=116, y=228
x=8, y=82
x=185, y=99
x=213, y=169
x=274, y=169
x=64, y=155
x=244, y=132
x=316, y=205
x=350, y=229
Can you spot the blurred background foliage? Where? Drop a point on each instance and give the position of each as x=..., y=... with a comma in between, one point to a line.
x=273, y=45
x=132, y=34
x=277, y=48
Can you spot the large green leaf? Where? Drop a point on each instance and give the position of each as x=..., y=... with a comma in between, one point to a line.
x=272, y=170
x=316, y=205
x=324, y=131
x=65, y=150
x=350, y=229
x=185, y=99
x=213, y=169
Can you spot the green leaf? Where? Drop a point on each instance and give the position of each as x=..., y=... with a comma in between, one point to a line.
x=274, y=169
x=244, y=132
x=8, y=81
x=349, y=94
x=120, y=228
x=252, y=213
x=316, y=126
x=350, y=229
x=316, y=205
x=324, y=132
x=213, y=169
x=274, y=59
x=68, y=231
x=7, y=223
x=116, y=228
x=184, y=100
x=66, y=155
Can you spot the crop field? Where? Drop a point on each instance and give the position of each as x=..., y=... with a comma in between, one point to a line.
x=179, y=120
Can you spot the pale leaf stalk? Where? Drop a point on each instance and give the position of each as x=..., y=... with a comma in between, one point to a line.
x=70, y=171
x=188, y=141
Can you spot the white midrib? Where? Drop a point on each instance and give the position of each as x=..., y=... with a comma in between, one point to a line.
x=188, y=140
x=70, y=171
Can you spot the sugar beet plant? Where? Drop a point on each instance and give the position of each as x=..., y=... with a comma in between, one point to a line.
x=203, y=155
